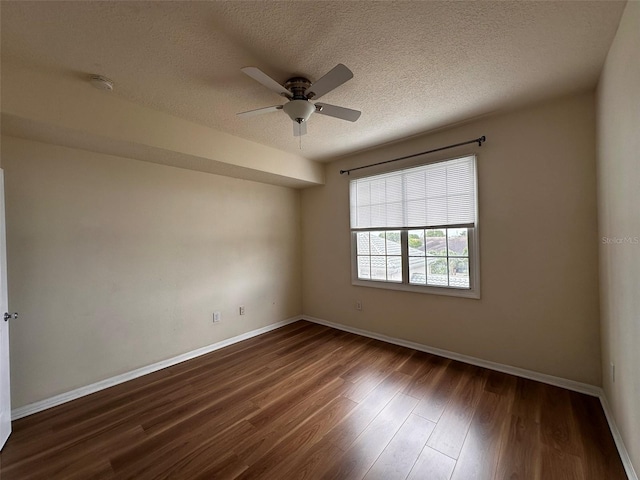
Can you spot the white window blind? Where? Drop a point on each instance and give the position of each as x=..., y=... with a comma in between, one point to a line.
x=434, y=195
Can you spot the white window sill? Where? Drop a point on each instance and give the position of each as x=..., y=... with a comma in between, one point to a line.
x=447, y=291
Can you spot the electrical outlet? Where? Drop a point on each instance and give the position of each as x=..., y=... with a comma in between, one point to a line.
x=241, y=309
x=216, y=317
x=358, y=304
x=613, y=372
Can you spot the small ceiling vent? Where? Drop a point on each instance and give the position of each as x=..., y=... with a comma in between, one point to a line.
x=101, y=83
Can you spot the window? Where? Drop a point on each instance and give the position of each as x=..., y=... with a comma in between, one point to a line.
x=416, y=229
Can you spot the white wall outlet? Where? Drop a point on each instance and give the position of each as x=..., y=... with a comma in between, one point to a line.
x=358, y=304
x=613, y=372
x=216, y=317
x=241, y=309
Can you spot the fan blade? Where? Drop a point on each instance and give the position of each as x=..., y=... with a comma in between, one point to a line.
x=259, y=111
x=333, y=79
x=338, y=112
x=299, y=129
x=259, y=76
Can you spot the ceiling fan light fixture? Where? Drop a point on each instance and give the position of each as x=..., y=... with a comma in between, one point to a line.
x=299, y=110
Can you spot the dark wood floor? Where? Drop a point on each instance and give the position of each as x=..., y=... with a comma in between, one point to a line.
x=310, y=402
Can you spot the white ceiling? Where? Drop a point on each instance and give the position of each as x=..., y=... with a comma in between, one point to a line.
x=417, y=65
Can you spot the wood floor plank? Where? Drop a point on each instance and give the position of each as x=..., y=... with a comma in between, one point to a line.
x=307, y=402
x=209, y=457
x=451, y=430
x=521, y=450
x=436, y=398
x=188, y=413
x=51, y=442
x=415, y=364
x=426, y=378
x=307, y=434
x=317, y=359
x=166, y=447
x=432, y=465
x=311, y=463
x=362, y=454
x=317, y=379
x=555, y=463
x=93, y=454
x=381, y=358
x=346, y=432
x=398, y=458
x=95, y=470
x=501, y=383
x=262, y=441
x=205, y=460
x=361, y=389
x=557, y=426
x=527, y=402
x=481, y=449
x=599, y=453
x=231, y=469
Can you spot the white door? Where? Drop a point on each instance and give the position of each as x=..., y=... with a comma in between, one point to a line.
x=5, y=397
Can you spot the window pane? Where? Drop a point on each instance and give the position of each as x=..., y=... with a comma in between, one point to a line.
x=394, y=269
x=437, y=271
x=377, y=243
x=436, y=240
x=459, y=272
x=378, y=267
x=458, y=242
x=364, y=271
x=362, y=240
x=393, y=242
x=416, y=243
x=417, y=271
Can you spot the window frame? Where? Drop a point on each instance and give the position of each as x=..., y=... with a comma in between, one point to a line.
x=473, y=244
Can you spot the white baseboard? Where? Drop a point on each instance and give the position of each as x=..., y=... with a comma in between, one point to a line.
x=622, y=449
x=118, y=379
x=519, y=372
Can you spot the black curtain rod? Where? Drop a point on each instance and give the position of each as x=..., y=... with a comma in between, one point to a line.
x=475, y=140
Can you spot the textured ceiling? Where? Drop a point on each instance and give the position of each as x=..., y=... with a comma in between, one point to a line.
x=417, y=65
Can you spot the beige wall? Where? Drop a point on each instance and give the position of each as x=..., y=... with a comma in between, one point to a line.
x=115, y=264
x=538, y=247
x=618, y=120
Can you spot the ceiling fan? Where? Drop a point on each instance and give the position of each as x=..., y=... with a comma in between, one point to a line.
x=300, y=91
